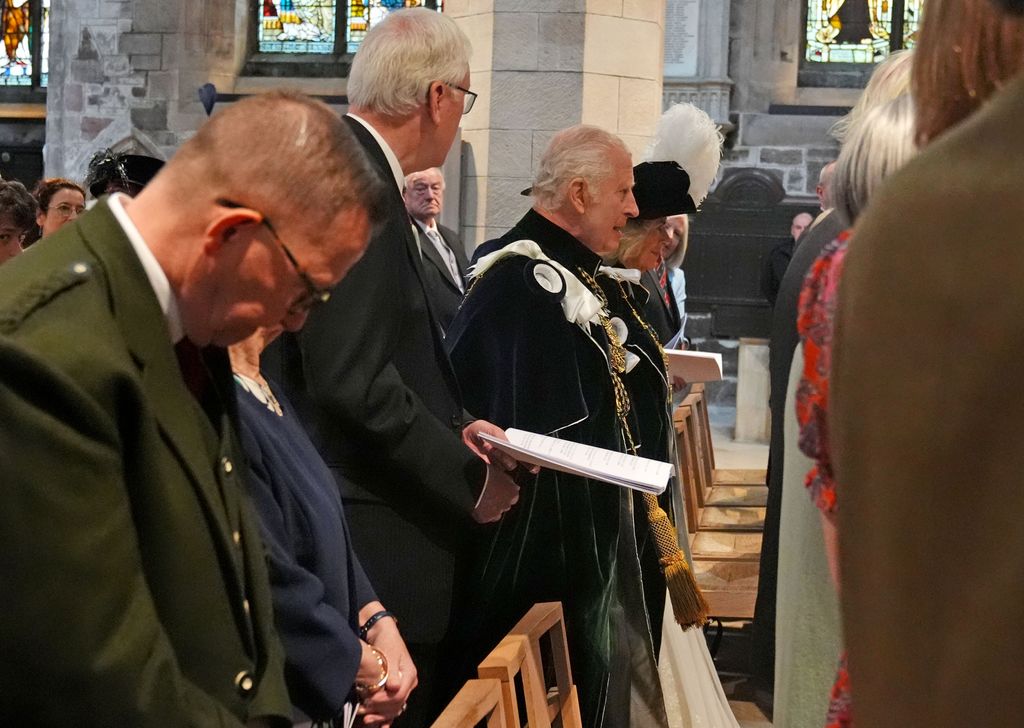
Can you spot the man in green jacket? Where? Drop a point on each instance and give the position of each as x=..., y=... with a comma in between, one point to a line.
x=134, y=587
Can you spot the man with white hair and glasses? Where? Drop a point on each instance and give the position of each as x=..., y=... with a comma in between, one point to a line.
x=370, y=375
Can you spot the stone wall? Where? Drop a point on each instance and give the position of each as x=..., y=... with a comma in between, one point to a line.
x=124, y=73
x=796, y=167
x=540, y=66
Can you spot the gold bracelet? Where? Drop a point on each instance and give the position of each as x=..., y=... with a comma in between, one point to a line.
x=365, y=690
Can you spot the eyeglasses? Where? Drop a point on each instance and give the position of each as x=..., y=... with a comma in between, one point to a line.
x=67, y=210
x=314, y=295
x=467, y=100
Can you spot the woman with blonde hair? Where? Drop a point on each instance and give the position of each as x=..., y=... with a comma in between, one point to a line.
x=683, y=161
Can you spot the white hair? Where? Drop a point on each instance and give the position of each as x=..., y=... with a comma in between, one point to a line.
x=411, y=178
x=879, y=143
x=579, y=151
x=401, y=56
x=889, y=80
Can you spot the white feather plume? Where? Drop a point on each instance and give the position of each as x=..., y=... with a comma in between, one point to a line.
x=691, y=138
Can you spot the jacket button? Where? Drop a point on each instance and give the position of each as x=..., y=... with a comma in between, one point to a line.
x=236, y=536
x=244, y=683
x=227, y=465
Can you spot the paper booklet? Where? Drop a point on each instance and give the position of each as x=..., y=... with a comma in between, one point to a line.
x=695, y=366
x=629, y=471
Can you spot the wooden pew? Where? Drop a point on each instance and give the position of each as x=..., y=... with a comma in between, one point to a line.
x=477, y=701
x=724, y=505
x=739, y=476
x=693, y=495
x=536, y=650
x=724, y=521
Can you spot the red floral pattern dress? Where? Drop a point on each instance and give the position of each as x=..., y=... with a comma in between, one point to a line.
x=815, y=323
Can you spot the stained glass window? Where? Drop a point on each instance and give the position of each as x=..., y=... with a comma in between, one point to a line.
x=297, y=26
x=860, y=31
x=911, y=22
x=26, y=29
x=310, y=26
x=364, y=14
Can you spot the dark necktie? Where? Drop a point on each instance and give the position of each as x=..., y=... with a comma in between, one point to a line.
x=193, y=370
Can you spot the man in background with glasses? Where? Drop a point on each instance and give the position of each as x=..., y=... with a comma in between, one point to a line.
x=135, y=587
x=370, y=374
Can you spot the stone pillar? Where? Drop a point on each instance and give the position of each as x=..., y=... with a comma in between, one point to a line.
x=124, y=74
x=697, y=56
x=540, y=66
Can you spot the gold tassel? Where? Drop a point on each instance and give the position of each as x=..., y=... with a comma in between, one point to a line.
x=688, y=603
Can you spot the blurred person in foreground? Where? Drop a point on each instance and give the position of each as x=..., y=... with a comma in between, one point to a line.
x=136, y=591
x=925, y=417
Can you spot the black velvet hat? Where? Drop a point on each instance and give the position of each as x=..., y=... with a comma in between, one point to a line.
x=130, y=172
x=661, y=189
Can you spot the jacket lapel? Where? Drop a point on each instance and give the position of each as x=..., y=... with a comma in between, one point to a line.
x=145, y=332
x=430, y=253
x=411, y=246
x=455, y=243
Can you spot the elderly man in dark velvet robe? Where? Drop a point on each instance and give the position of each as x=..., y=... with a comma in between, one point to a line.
x=533, y=348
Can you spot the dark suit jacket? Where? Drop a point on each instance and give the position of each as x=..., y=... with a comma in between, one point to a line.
x=370, y=376
x=663, y=318
x=135, y=590
x=446, y=296
x=927, y=439
x=784, y=339
x=773, y=268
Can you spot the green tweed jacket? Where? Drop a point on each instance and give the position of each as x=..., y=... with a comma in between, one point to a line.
x=134, y=590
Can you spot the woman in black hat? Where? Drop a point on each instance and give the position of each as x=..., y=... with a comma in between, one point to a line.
x=686, y=151
x=111, y=172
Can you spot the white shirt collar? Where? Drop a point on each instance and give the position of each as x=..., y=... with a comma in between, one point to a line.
x=424, y=227
x=155, y=274
x=389, y=154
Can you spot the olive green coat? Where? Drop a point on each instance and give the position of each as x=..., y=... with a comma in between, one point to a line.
x=927, y=425
x=134, y=590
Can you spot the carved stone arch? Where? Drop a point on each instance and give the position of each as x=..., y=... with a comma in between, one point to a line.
x=748, y=189
x=137, y=143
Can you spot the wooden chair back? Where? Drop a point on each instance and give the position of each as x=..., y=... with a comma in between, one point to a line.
x=539, y=645
x=699, y=447
x=682, y=420
x=479, y=701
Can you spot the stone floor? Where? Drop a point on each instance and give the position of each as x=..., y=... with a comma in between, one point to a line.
x=732, y=655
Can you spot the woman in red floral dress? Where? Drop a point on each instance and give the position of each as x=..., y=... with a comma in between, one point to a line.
x=879, y=143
